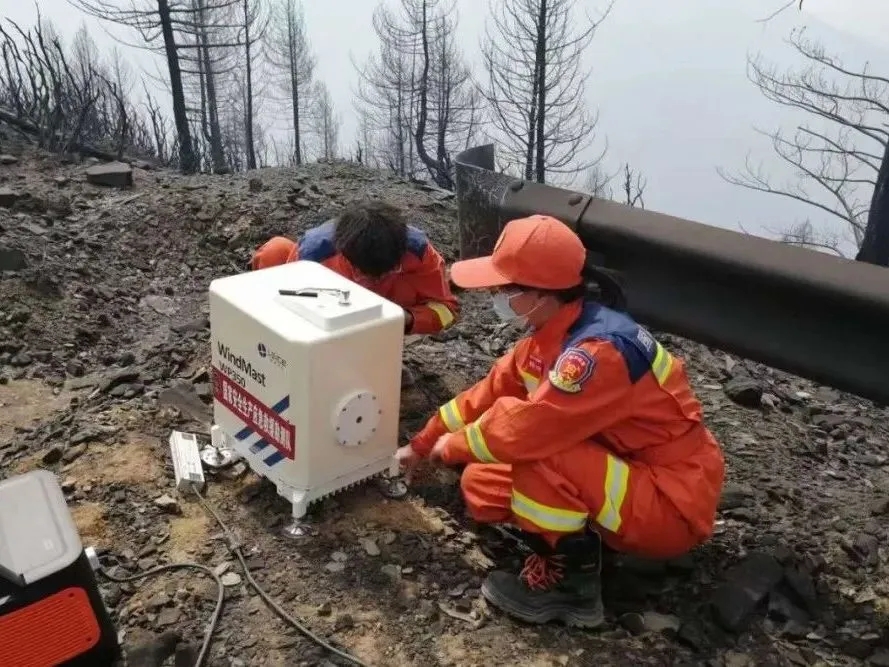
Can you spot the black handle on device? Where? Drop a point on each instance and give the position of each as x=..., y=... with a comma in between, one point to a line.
x=293, y=292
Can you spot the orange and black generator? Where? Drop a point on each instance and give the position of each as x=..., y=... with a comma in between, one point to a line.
x=51, y=611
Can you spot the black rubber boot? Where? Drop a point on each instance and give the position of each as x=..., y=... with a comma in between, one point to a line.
x=560, y=584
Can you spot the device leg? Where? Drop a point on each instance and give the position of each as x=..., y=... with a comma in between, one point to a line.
x=393, y=486
x=217, y=457
x=299, y=527
x=219, y=453
x=394, y=468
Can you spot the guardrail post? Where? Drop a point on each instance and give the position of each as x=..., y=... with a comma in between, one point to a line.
x=479, y=191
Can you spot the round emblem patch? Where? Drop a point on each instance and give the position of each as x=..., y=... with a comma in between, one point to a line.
x=572, y=369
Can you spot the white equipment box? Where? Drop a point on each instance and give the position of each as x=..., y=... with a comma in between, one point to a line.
x=306, y=377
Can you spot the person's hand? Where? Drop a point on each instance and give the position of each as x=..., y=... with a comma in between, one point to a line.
x=408, y=459
x=438, y=448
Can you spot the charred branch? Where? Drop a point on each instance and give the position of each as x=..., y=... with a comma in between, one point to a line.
x=67, y=100
x=839, y=158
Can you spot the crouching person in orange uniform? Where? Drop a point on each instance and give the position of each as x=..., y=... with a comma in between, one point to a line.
x=587, y=430
x=370, y=244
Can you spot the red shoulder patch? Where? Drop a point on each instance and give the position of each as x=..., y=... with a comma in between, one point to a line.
x=572, y=369
x=535, y=365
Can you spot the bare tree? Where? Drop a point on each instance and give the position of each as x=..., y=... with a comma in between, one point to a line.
x=69, y=100
x=367, y=141
x=781, y=9
x=229, y=106
x=290, y=53
x=598, y=182
x=252, y=30
x=326, y=123
x=536, y=86
x=805, y=235
x=159, y=127
x=841, y=158
x=210, y=70
x=171, y=29
x=416, y=96
x=385, y=93
x=454, y=103
x=233, y=143
x=632, y=185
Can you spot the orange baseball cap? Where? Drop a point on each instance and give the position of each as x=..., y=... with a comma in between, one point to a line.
x=537, y=251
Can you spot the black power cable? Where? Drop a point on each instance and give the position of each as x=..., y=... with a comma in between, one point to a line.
x=234, y=548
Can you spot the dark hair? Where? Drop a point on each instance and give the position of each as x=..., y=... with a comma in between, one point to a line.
x=598, y=284
x=372, y=236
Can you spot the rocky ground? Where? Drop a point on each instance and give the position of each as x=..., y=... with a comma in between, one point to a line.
x=103, y=350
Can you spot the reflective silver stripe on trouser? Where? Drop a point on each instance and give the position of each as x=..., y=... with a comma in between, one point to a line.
x=547, y=517
x=617, y=477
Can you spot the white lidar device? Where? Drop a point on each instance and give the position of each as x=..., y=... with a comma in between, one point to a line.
x=306, y=378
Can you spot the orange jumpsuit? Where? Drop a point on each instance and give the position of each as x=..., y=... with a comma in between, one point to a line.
x=419, y=286
x=589, y=421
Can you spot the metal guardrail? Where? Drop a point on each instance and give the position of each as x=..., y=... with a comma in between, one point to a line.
x=808, y=313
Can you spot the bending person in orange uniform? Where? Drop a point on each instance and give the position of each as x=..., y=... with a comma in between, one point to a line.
x=370, y=244
x=587, y=430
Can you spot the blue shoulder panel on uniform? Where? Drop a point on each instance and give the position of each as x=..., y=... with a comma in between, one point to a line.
x=316, y=245
x=416, y=241
x=633, y=342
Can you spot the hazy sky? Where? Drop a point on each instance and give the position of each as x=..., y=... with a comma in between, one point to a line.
x=669, y=80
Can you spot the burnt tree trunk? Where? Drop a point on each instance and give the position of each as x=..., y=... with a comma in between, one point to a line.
x=213, y=132
x=248, y=121
x=875, y=246
x=540, y=58
x=188, y=162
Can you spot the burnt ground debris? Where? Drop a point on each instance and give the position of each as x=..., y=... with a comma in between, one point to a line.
x=103, y=350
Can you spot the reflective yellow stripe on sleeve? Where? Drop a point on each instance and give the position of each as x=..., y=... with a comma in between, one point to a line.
x=445, y=316
x=450, y=415
x=662, y=364
x=477, y=444
x=548, y=518
x=617, y=477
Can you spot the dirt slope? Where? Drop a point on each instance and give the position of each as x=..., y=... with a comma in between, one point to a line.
x=110, y=310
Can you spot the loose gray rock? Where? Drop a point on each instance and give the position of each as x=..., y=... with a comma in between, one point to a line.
x=879, y=659
x=53, y=455
x=746, y=585
x=163, y=305
x=656, y=622
x=186, y=655
x=735, y=496
x=168, y=616
x=111, y=174
x=153, y=652
x=168, y=504
x=230, y=579
x=12, y=259
x=73, y=453
x=370, y=546
x=8, y=197
x=745, y=391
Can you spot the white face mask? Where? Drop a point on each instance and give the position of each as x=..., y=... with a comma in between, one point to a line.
x=503, y=309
